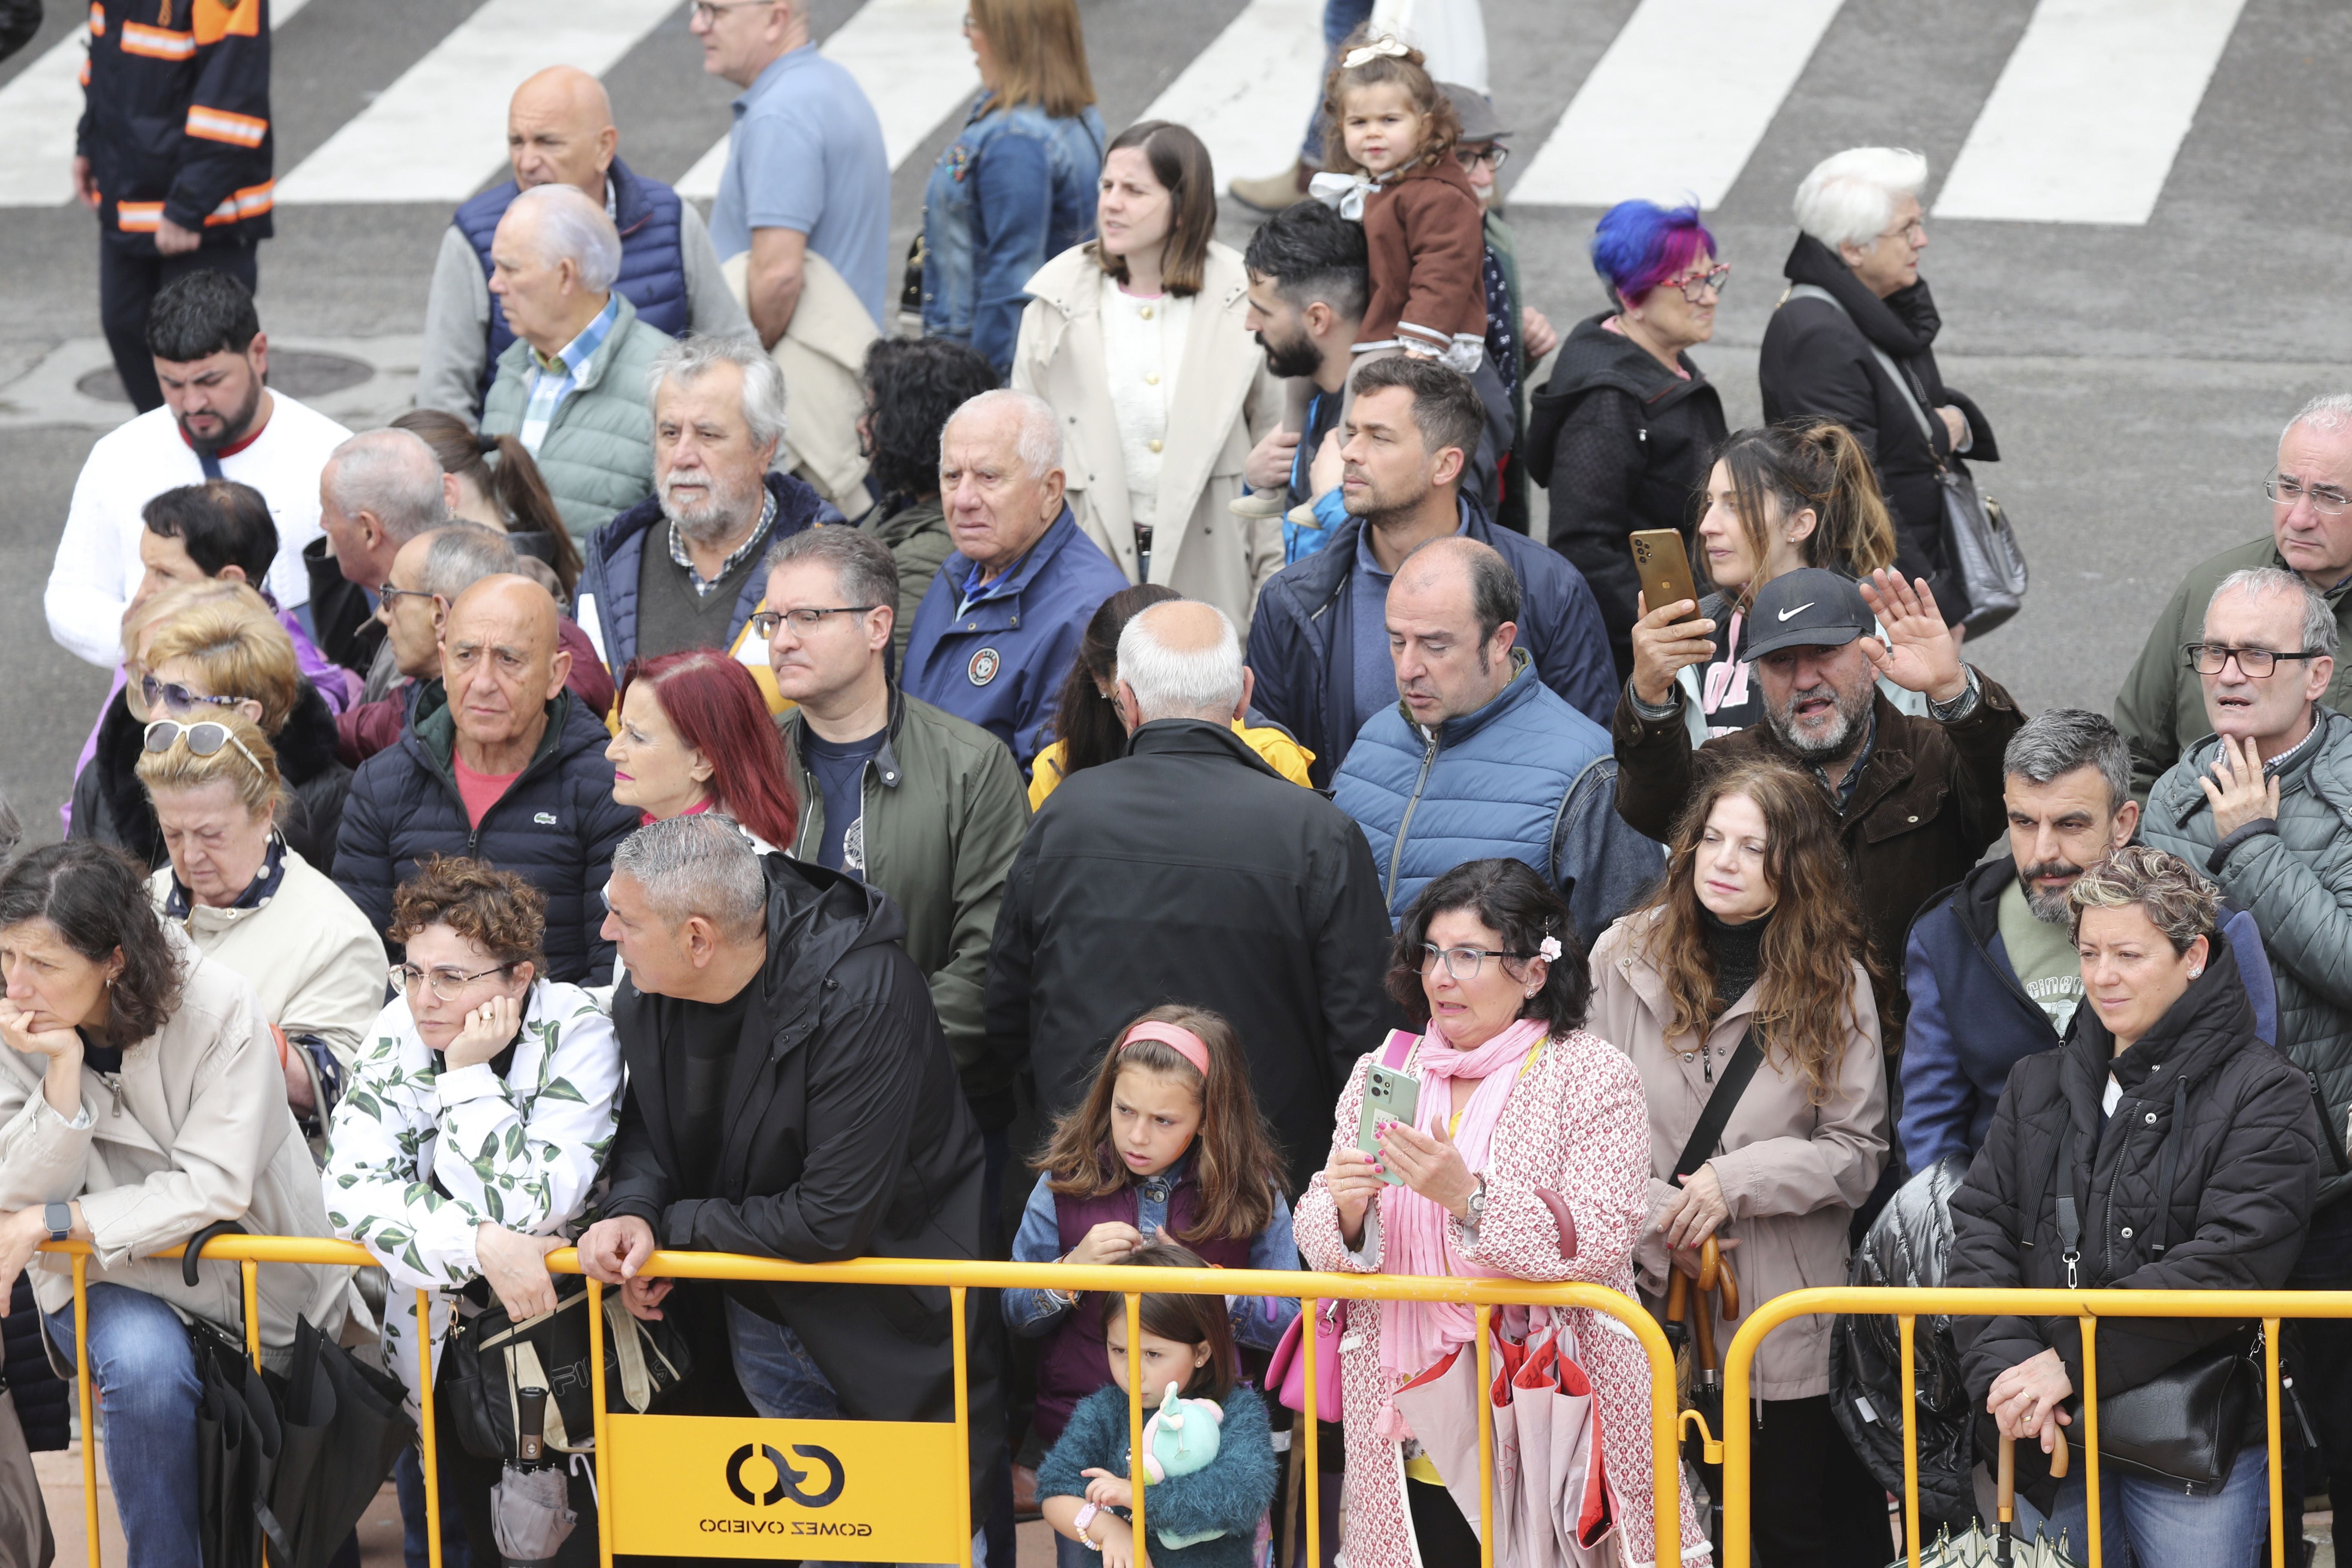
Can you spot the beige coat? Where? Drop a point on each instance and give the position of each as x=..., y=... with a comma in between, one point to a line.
x=193, y=1128
x=823, y=356
x=1793, y=1172
x=314, y=960
x=1225, y=401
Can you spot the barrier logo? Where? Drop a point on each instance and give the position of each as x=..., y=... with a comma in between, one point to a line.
x=788, y=1479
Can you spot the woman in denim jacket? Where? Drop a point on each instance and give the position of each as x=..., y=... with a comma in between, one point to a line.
x=1018, y=186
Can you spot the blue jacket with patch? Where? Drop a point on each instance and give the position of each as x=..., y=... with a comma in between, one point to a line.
x=998, y=660
x=1302, y=638
x=1526, y=777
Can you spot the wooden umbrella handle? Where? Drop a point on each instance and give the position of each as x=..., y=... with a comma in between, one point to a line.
x=2058, y=1459
x=1702, y=1330
x=1678, y=1293
x=1728, y=1288
x=2005, y=1488
x=1711, y=1264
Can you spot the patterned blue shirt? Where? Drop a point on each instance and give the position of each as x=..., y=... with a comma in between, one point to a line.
x=551, y=380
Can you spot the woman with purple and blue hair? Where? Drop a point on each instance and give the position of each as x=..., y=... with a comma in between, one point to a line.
x=1623, y=433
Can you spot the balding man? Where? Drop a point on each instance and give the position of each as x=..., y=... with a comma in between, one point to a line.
x=500, y=762
x=573, y=385
x=995, y=634
x=377, y=491
x=1479, y=759
x=559, y=131
x=1189, y=871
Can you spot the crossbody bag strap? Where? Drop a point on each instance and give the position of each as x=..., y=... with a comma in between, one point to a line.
x=2169, y=1170
x=2070, y=1213
x=1719, y=1105
x=1885, y=360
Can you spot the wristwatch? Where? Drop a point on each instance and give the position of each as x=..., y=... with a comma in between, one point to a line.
x=1476, y=1205
x=1086, y=1517
x=59, y=1218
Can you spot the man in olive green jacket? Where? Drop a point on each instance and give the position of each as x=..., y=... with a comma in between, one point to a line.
x=2161, y=708
x=901, y=795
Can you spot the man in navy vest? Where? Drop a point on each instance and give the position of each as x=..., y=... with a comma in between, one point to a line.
x=1480, y=758
x=559, y=131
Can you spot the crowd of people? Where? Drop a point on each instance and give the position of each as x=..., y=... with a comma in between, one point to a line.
x=1040, y=770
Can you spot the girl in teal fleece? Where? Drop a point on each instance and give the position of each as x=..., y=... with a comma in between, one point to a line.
x=1083, y=1488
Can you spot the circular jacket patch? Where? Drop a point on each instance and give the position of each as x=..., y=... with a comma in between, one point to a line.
x=984, y=666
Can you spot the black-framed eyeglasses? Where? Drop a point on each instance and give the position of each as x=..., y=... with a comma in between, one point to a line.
x=204, y=738
x=707, y=11
x=446, y=983
x=806, y=618
x=1494, y=154
x=172, y=696
x=2326, y=499
x=2212, y=657
x=388, y=594
x=1694, y=287
x=1462, y=963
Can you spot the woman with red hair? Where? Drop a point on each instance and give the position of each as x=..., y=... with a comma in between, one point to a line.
x=696, y=736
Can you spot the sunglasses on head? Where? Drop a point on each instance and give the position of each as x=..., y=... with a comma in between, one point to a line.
x=203, y=739
x=171, y=694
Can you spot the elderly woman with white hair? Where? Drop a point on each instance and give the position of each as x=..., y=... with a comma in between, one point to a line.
x=572, y=387
x=1854, y=342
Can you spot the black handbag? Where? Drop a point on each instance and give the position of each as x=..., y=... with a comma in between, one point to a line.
x=488, y=1356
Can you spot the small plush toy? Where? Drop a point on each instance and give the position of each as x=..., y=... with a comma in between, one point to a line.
x=1181, y=1438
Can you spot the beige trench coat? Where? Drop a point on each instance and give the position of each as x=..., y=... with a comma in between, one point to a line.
x=193, y=1128
x=1793, y=1172
x=1226, y=402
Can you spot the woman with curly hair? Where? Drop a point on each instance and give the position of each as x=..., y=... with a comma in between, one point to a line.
x=1752, y=959
x=514, y=1077
x=912, y=386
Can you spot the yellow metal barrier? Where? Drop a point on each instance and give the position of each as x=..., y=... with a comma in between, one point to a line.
x=1907, y=1306
x=959, y=1278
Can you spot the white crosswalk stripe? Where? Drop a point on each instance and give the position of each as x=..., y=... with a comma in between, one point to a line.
x=1247, y=95
x=436, y=133
x=39, y=109
x=910, y=57
x=1677, y=103
x=2089, y=112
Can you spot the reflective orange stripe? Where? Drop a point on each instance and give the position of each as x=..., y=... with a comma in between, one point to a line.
x=85, y=71
x=214, y=20
x=250, y=202
x=220, y=125
x=97, y=20
x=139, y=218
x=157, y=43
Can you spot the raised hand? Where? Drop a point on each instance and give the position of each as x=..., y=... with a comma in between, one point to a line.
x=1919, y=653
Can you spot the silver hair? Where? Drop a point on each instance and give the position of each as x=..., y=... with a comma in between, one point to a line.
x=2055, y=742
x=461, y=555
x=574, y=228
x=2330, y=411
x=700, y=864
x=863, y=568
x=1850, y=197
x=2319, y=630
x=1188, y=683
x=1040, y=431
x=394, y=477
x=684, y=362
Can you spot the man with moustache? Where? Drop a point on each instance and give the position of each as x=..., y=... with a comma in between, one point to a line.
x=1918, y=798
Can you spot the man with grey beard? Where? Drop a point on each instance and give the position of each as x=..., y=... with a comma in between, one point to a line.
x=681, y=569
x=1917, y=798
x=1990, y=966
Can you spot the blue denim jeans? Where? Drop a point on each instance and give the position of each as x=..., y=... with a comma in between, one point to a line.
x=778, y=1376
x=2149, y=1524
x=1340, y=18
x=147, y=1390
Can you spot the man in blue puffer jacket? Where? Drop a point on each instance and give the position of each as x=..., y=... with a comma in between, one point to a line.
x=1481, y=759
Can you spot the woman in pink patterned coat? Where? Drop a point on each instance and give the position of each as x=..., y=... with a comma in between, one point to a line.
x=1530, y=1160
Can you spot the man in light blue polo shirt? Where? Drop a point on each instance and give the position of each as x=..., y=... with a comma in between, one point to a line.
x=806, y=172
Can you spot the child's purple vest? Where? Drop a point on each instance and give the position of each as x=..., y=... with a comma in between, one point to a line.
x=1073, y=1364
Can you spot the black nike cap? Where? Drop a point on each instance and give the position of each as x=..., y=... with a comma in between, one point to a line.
x=1809, y=607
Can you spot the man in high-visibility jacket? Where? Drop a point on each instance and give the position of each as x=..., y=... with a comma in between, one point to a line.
x=173, y=154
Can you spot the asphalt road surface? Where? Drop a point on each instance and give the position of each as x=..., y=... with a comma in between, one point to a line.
x=2137, y=368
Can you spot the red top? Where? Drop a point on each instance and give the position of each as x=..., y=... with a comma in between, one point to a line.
x=479, y=790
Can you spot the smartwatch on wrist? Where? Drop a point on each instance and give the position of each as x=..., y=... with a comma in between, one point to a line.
x=59, y=1218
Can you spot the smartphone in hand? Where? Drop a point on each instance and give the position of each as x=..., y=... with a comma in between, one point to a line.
x=1662, y=560
x=1388, y=1096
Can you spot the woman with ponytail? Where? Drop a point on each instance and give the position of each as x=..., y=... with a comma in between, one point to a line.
x=507, y=494
x=1780, y=496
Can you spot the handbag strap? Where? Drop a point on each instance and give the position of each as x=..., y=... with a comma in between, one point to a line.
x=1885, y=360
x=1736, y=1072
x=2070, y=1213
x=2169, y=1170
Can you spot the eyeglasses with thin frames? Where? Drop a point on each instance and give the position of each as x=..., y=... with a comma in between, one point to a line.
x=707, y=11
x=2258, y=663
x=1915, y=231
x=806, y=618
x=2326, y=499
x=390, y=593
x=1494, y=155
x=1462, y=963
x=446, y=984
x=175, y=698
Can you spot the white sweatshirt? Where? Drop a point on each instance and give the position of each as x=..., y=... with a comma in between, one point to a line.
x=97, y=569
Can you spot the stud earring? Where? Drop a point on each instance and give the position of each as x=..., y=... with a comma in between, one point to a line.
x=2196, y=971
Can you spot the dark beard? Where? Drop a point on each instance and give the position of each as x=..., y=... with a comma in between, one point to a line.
x=1297, y=357
x=233, y=430
x=2050, y=908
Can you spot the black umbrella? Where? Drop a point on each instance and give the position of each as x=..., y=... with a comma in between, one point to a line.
x=238, y=1440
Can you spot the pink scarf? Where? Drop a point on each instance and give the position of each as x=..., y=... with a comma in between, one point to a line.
x=1416, y=1335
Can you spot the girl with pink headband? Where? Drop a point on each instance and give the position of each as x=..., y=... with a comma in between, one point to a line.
x=1167, y=1145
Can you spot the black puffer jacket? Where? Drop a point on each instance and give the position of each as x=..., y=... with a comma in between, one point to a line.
x=2230, y=1118
x=557, y=825
x=1909, y=1244
x=111, y=805
x=1817, y=360
x=1622, y=443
